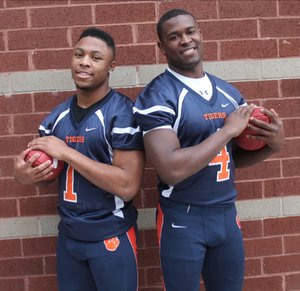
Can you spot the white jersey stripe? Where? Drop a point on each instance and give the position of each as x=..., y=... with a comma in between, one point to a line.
x=180, y=101
x=129, y=130
x=154, y=109
x=235, y=104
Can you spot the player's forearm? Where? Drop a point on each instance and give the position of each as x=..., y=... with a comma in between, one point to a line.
x=110, y=178
x=185, y=162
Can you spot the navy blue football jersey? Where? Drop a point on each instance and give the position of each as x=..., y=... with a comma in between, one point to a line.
x=87, y=212
x=168, y=103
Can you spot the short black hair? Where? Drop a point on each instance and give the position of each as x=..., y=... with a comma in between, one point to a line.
x=168, y=15
x=100, y=34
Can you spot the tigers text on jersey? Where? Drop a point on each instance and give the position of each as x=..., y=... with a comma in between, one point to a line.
x=168, y=103
x=87, y=212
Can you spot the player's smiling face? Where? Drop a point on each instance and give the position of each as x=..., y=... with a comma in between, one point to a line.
x=182, y=45
x=91, y=62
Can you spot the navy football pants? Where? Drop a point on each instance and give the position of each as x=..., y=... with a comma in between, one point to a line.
x=200, y=240
x=108, y=265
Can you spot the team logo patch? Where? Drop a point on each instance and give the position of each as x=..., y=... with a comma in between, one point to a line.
x=112, y=244
x=238, y=222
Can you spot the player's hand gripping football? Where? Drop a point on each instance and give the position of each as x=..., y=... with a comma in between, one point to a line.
x=271, y=133
x=238, y=120
x=28, y=175
x=52, y=145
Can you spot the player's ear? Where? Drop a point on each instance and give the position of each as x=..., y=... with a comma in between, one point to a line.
x=112, y=66
x=161, y=47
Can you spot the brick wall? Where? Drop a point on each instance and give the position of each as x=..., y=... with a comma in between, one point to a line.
x=253, y=44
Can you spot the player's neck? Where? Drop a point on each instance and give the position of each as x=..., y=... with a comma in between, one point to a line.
x=87, y=98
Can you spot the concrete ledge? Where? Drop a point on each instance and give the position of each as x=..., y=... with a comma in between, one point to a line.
x=137, y=76
x=247, y=209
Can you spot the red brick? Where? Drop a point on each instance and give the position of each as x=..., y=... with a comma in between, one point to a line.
x=288, y=27
x=200, y=9
x=280, y=226
x=39, y=246
x=150, y=197
x=146, y=33
x=142, y=277
x=291, y=127
x=31, y=206
x=289, y=47
x=37, y=38
x=252, y=229
x=151, y=238
x=122, y=34
x=281, y=264
x=5, y=126
x=2, y=44
x=61, y=16
x=210, y=52
x=292, y=281
x=262, y=170
x=8, y=208
x=282, y=187
x=292, y=244
x=273, y=283
x=29, y=123
x=263, y=247
x=235, y=29
x=45, y=283
x=13, y=145
x=249, y=190
x=20, y=103
x=283, y=108
x=46, y=102
x=150, y=178
x=21, y=267
x=10, y=248
x=6, y=167
x=13, y=61
x=50, y=265
x=257, y=90
x=248, y=49
x=10, y=189
x=1, y=3
x=52, y=59
x=136, y=55
x=252, y=267
x=15, y=18
x=49, y=188
x=153, y=277
x=138, y=199
x=245, y=9
x=291, y=88
x=289, y=8
x=15, y=284
x=148, y=257
x=28, y=3
x=132, y=93
x=141, y=239
x=290, y=150
x=125, y=13
x=291, y=167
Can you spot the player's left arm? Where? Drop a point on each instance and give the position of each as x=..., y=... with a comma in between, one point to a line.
x=122, y=178
x=271, y=133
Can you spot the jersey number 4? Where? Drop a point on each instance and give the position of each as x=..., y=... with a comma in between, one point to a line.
x=69, y=194
x=222, y=159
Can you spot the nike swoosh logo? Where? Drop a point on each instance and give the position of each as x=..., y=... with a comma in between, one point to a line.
x=178, y=226
x=90, y=129
x=224, y=105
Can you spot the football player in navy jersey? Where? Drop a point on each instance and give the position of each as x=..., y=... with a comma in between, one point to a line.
x=189, y=119
x=95, y=134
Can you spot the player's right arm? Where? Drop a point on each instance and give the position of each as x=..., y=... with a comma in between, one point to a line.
x=174, y=164
x=25, y=174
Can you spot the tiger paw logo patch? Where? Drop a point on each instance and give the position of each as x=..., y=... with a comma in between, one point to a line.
x=111, y=244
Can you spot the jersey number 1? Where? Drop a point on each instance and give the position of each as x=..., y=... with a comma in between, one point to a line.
x=223, y=160
x=69, y=194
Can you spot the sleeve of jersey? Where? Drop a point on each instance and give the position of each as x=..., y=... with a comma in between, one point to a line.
x=153, y=109
x=126, y=133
